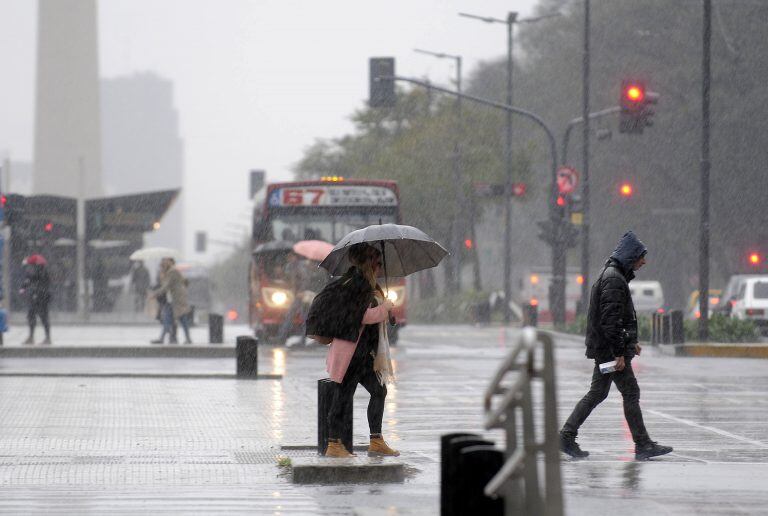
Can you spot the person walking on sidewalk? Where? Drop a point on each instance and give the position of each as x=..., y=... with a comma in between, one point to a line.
x=37, y=289
x=352, y=311
x=164, y=309
x=175, y=285
x=612, y=335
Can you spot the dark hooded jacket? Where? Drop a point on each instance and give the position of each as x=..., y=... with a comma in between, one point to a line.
x=611, y=319
x=338, y=309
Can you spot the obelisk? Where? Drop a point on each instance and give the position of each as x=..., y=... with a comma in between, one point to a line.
x=67, y=154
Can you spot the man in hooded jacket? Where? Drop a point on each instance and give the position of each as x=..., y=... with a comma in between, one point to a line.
x=612, y=335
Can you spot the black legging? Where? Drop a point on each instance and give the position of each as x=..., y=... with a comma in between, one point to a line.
x=38, y=308
x=601, y=383
x=360, y=371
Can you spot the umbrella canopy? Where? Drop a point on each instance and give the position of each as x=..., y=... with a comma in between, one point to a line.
x=273, y=246
x=406, y=250
x=35, y=259
x=149, y=253
x=315, y=250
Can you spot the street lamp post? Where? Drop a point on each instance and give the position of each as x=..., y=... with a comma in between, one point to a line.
x=458, y=182
x=509, y=179
x=705, y=166
x=585, y=222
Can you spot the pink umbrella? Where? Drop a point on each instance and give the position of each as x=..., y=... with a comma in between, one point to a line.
x=315, y=250
x=36, y=259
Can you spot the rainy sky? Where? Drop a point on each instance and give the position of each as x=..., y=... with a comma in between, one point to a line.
x=255, y=82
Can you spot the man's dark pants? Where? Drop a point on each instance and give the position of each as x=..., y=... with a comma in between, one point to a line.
x=601, y=383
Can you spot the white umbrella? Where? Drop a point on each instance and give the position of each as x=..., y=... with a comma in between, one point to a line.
x=149, y=253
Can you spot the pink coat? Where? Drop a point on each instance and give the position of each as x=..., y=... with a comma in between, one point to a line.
x=341, y=351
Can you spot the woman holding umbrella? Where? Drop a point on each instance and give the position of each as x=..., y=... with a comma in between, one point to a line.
x=37, y=289
x=355, y=308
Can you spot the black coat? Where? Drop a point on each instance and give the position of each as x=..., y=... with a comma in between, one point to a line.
x=611, y=318
x=37, y=284
x=337, y=310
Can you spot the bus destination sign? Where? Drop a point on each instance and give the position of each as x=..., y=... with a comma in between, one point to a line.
x=336, y=195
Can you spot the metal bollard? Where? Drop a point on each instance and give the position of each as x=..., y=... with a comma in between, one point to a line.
x=445, y=460
x=530, y=315
x=677, y=330
x=477, y=466
x=247, y=356
x=215, y=328
x=326, y=390
x=666, y=331
x=452, y=475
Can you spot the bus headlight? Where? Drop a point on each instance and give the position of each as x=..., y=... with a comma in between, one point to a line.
x=396, y=295
x=277, y=297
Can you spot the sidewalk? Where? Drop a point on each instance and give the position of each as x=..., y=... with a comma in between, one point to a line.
x=119, y=445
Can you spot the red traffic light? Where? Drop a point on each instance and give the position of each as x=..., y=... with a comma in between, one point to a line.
x=560, y=200
x=468, y=243
x=3, y=200
x=632, y=93
x=626, y=190
x=48, y=227
x=755, y=259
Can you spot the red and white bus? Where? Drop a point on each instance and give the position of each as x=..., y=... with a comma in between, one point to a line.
x=325, y=209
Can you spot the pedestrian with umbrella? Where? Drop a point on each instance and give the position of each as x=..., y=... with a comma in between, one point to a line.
x=351, y=312
x=37, y=290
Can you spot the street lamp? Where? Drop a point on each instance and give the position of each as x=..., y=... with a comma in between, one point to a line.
x=456, y=233
x=509, y=22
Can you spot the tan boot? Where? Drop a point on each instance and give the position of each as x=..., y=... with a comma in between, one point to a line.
x=379, y=448
x=337, y=450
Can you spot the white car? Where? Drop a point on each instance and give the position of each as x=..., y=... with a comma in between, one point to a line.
x=647, y=296
x=751, y=302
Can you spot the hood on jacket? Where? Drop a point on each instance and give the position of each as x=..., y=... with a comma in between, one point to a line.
x=629, y=250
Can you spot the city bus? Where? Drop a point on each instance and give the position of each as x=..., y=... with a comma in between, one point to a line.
x=325, y=209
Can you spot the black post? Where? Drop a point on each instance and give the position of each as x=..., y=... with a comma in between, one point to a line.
x=452, y=476
x=247, y=356
x=326, y=390
x=215, y=328
x=585, y=162
x=705, y=165
x=511, y=17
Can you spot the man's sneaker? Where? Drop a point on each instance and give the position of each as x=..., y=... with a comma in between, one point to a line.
x=569, y=446
x=651, y=449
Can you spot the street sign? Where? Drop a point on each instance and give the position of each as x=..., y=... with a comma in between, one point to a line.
x=497, y=189
x=567, y=180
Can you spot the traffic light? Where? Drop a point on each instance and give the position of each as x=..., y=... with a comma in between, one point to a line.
x=381, y=91
x=14, y=206
x=635, y=101
x=626, y=190
x=755, y=259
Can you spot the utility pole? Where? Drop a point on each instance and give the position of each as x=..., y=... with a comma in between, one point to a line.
x=6, y=235
x=83, y=298
x=705, y=167
x=585, y=163
x=509, y=167
x=458, y=180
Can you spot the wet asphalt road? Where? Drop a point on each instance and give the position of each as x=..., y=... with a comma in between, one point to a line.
x=96, y=445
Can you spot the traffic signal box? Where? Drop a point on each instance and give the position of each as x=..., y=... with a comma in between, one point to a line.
x=635, y=101
x=382, y=85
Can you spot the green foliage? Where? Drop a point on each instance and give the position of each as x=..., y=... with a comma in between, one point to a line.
x=723, y=329
x=454, y=309
x=578, y=326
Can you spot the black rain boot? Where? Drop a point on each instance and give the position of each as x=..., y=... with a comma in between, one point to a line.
x=569, y=446
x=650, y=449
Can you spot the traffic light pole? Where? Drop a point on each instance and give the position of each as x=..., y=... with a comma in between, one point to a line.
x=585, y=222
x=557, y=288
x=705, y=167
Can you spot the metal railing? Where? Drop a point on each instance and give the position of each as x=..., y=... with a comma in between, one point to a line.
x=508, y=405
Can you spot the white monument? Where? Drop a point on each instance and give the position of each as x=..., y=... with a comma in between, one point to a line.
x=67, y=154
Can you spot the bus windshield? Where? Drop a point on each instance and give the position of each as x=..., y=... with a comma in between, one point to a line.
x=330, y=227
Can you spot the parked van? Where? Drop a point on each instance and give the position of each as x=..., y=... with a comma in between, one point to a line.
x=647, y=296
x=751, y=302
